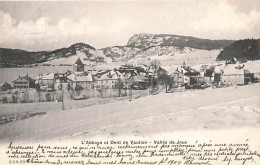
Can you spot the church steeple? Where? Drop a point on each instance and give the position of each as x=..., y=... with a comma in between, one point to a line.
x=78, y=66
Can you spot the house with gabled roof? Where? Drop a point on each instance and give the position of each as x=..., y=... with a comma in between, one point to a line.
x=24, y=82
x=5, y=86
x=179, y=78
x=140, y=81
x=45, y=82
x=232, y=76
x=254, y=68
x=82, y=79
x=209, y=76
x=107, y=79
x=61, y=81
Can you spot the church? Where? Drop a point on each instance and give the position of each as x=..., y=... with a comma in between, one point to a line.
x=78, y=66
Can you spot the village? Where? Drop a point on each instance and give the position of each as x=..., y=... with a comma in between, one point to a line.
x=124, y=81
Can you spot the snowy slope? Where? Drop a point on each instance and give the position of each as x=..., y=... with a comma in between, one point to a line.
x=120, y=53
x=166, y=112
x=170, y=55
x=79, y=54
x=145, y=40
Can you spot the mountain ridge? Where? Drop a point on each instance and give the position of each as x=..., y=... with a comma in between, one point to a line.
x=143, y=46
x=21, y=57
x=144, y=40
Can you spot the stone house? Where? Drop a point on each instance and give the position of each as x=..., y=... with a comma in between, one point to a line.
x=24, y=82
x=45, y=82
x=233, y=77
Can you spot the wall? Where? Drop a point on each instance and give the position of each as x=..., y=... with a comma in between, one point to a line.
x=232, y=79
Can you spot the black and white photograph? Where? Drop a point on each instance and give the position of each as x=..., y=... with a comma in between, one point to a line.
x=130, y=82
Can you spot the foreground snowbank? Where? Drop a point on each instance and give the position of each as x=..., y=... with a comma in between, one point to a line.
x=214, y=109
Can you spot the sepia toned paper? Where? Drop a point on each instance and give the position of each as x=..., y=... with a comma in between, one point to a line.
x=130, y=82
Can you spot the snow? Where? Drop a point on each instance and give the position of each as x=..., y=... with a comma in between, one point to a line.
x=171, y=68
x=80, y=77
x=68, y=60
x=253, y=66
x=72, y=59
x=171, y=55
x=46, y=76
x=231, y=71
x=224, y=108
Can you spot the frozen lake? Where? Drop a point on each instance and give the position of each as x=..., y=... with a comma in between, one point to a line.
x=11, y=74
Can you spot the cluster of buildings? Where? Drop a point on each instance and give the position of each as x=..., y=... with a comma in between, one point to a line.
x=141, y=77
x=208, y=75
x=79, y=79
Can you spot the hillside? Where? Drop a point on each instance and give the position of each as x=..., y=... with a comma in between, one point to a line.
x=147, y=40
x=70, y=51
x=120, y=53
x=85, y=52
x=140, y=48
x=242, y=50
x=20, y=57
x=172, y=55
x=16, y=56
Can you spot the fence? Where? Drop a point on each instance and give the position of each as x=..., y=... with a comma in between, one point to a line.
x=31, y=95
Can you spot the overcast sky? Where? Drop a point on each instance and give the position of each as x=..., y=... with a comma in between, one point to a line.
x=52, y=25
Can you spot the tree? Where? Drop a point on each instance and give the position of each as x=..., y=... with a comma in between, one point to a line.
x=37, y=87
x=69, y=86
x=71, y=90
x=14, y=99
x=119, y=85
x=78, y=89
x=5, y=100
x=16, y=96
x=154, y=66
x=48, y=97
x=155, y=63
x=24, y=98
x=60, y=87
x=163, y=76
x=62, y=97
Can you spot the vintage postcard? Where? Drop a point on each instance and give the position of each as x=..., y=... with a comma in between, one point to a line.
x=130, y=82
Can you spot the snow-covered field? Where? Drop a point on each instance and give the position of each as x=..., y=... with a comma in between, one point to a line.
x=211, y=109
x=175, y=56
